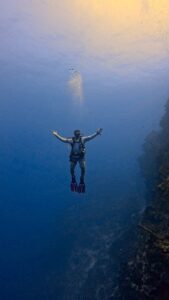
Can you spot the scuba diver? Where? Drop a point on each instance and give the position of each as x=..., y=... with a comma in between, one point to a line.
x=77, y=155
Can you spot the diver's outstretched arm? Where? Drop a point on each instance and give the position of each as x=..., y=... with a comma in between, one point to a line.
x=61, y=138
x=92, y=136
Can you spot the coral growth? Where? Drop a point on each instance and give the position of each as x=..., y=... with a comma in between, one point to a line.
x=146, y=275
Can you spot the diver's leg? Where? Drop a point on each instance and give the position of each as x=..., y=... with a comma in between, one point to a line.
x=72, y=169
x=81, y=187
x=73, y=185
x=82, y=164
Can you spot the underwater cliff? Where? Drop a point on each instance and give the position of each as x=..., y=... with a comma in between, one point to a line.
x=146, y=274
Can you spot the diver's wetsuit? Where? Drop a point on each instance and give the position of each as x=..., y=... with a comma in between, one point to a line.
x=77, y=152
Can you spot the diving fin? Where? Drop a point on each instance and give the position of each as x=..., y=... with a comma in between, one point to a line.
x=73, y=185
x=81, y=187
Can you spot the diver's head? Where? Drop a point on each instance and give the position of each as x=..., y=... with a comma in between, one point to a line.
x=77, y=133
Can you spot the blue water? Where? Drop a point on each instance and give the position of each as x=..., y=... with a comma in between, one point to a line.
x=35, y=98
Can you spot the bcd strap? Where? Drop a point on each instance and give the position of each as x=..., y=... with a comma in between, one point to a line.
x=82, y=146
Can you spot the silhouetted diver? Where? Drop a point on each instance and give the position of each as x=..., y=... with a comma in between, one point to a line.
x=77, y=154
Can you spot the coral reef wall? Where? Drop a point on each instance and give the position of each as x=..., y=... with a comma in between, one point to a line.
x=146, y=274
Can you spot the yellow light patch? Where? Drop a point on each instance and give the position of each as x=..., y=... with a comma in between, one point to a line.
x=111, y=32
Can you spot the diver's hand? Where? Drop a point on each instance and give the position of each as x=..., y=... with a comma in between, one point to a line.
x=99, y=131
x=54, y=132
